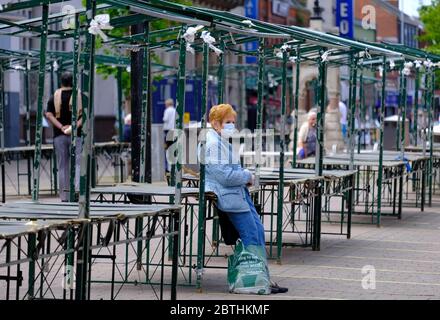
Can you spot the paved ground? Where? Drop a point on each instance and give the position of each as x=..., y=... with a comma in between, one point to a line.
x=400, y=260
x=403, y=254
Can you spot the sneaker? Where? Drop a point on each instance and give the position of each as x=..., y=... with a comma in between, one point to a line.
x=275, y=288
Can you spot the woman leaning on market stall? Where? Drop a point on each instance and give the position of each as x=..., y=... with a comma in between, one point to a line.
x=229, y=181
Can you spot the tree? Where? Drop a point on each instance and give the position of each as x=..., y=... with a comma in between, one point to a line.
x=429, y=15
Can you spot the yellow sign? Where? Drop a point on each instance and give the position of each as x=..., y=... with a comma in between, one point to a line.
x=186, y=118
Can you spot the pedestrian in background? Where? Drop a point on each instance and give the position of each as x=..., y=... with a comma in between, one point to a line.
x=59, y=114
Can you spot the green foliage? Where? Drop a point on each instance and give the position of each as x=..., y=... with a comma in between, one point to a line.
x=429, y=15
x=107, y=71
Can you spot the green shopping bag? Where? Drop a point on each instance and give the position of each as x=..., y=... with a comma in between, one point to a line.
x=247, y=270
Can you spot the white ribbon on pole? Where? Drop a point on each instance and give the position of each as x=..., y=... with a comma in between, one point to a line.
x=325, y=55
x=293, y=59
x=428, y=64
x=285, y=47
x=232, y=38
x=210, y=40
x=392, y=64
x=190, y=37
x=367, y=54
x=418, y=64
x=249, y=23
x=98, y=24
x=18, y=67
x=407, y=68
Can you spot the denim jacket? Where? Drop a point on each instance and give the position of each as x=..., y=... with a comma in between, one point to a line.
x=224, y=174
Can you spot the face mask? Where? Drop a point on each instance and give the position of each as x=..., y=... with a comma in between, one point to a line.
x=228, y=130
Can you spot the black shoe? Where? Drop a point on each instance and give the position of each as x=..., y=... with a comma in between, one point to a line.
x=275, y=288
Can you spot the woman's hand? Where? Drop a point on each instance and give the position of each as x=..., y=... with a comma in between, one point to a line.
x=67, y=130
x=251, y=181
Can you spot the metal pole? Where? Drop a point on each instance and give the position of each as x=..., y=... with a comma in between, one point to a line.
x=403, y=122
x=2, y=108
x=59, y=72
x=28, y=103
x=425, y=103
x=144, y=106
x=87, y=149
x=361, y=109
x=282, y=147
x=31, y=254
x=28, y=123
x=259, y=126
x=136, y=76
x=54, y=155
x=381, y=119
x=220, y=94
x=399, y=111
x=2, y=132
x=175, y=261
x=220, y=74
x=39, y=120
x=243, y=99
x=319, y=158
x=149, y=113
x=87, y=116
x=295, y=120
x=416, y=107
x=352, y=103
x=180, y=109
x=119, y=105
x=52, y=78
x=431, y=136
x=76, y=40
x=202, y=199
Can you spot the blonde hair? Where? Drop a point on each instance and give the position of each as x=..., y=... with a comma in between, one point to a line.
x=221, y=111
x=312, y=113
x=169, y=102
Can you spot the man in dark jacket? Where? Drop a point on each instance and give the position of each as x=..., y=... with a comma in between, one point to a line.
x=59, y=114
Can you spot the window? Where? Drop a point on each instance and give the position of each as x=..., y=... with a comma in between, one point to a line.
x=410, y=38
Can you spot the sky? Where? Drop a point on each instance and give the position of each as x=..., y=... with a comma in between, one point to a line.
x=410, y=6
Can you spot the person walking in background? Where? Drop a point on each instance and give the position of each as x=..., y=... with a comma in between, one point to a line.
x=59, y=114
x=307, y=137
x=343, y=111
x=127, y=128
x=169, y=121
